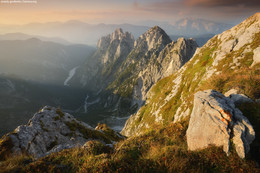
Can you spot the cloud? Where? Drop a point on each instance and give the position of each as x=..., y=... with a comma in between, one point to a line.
x=222, y=3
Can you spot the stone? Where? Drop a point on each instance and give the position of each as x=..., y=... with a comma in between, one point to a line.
x=216, y=121
x=237, y=98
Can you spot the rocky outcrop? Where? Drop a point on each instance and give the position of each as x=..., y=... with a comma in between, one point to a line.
x=239, y=39
x=237, y=97
x=50, y=130
x=216, y=121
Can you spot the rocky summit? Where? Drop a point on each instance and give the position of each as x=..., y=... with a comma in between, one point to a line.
x=216, y=121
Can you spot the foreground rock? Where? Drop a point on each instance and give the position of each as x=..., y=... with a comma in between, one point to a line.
x=50, y=130
x=216, y=121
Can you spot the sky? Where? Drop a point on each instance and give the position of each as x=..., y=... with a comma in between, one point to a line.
x=124, y=11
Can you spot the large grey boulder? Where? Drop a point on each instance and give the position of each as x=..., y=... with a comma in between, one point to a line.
x=216, y=121
x=50, y=130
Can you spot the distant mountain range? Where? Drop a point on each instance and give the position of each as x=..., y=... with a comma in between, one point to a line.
x=80, y=32
x=191, y=26
x=22, y=36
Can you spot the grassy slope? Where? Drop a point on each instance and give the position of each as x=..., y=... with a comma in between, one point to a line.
x=160, y=150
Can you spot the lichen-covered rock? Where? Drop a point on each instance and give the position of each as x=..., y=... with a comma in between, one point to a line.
x=216, y=121
x=50, y=130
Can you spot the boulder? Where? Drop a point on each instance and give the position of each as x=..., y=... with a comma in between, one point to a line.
x=216, y=121
x=237, y=98
x=50, y=130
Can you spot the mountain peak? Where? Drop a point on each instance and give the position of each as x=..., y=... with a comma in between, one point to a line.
x=154, y=36
x=157, y=29
x=119, y=30
x=118, y=34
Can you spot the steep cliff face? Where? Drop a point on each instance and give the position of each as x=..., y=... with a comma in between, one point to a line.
x=169, y=60
x=115, y=45
x=228, y=60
